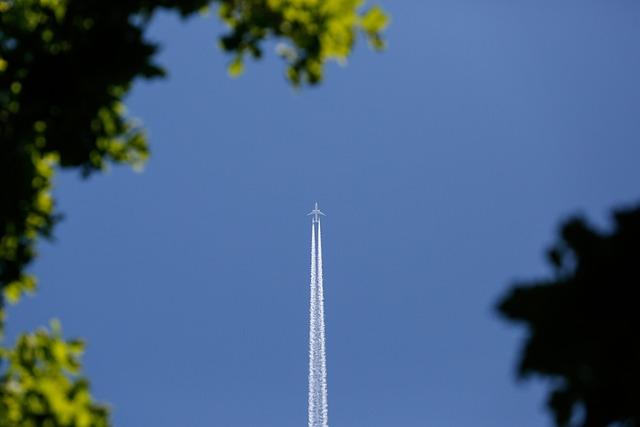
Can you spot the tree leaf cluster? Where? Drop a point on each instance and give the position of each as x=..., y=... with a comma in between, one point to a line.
x=41, y=385
x=312, y=32
x=584, y=323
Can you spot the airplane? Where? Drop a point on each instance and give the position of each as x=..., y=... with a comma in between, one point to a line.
x=316, y=212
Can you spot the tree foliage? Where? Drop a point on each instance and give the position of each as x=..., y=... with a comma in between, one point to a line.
x=584, y=323
x=65, y=67
x=42, y=386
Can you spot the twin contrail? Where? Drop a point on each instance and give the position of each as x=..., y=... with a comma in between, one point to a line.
x=318, y=406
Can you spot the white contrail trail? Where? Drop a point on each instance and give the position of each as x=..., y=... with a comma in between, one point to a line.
x=313, y=404
x=323, y=352
x=318, y=408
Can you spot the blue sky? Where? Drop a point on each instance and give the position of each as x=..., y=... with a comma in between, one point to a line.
x=445, y=166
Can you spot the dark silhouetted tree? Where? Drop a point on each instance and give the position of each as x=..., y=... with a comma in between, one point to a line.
x=584, y=324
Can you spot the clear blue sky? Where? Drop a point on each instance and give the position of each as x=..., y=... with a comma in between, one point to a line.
x=444, y=165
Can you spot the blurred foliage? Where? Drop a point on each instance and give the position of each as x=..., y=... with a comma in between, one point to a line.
x=41, y=386
x=584, y=324
x=313, y=31
x=65, y=67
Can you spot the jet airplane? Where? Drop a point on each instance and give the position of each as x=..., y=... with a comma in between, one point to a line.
x=316, y=214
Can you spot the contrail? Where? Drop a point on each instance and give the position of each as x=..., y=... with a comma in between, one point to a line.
x=318, y=407
x=323, y=352
x=313, y=389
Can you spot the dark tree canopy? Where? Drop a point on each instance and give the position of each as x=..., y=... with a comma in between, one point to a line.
x=584, y=324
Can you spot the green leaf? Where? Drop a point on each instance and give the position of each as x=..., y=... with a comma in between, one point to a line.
x=13, y=291
x=236, y=67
